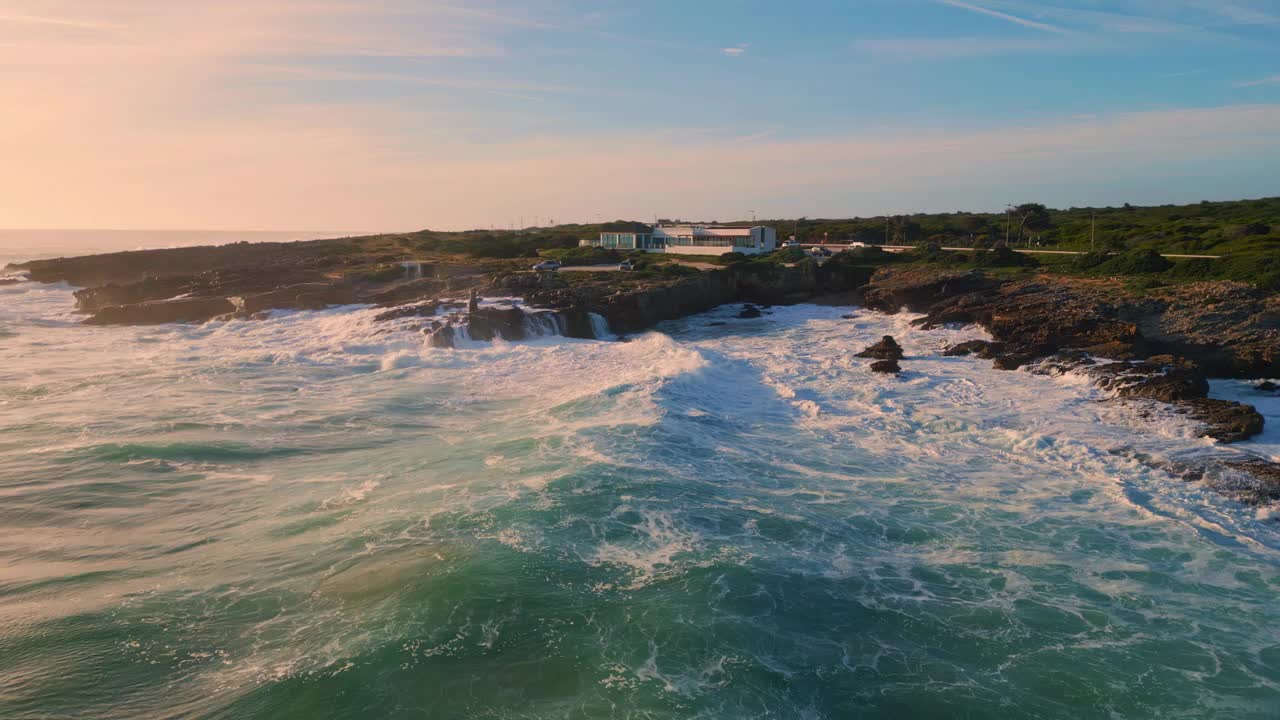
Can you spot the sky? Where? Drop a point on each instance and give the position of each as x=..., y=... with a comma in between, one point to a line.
x=409, y=114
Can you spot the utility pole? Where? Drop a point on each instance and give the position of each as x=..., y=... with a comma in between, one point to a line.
x=1093, y=229
x=1008, y=223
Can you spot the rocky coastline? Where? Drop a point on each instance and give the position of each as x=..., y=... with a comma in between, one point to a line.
x=1159, y=347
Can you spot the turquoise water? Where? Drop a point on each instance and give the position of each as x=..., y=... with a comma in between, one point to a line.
x=316, y=517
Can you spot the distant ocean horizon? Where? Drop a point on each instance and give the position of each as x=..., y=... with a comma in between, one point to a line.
x=19, y=245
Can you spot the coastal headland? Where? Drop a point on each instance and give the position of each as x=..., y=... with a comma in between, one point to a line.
x=1156, y=344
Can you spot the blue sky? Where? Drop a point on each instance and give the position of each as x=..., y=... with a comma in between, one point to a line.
x=395, y=114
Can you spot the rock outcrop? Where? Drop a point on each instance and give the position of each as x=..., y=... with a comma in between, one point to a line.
x=1228, y=329
x=889, y=367
x=886, y=349
x=1175, y=381
x=185, y=310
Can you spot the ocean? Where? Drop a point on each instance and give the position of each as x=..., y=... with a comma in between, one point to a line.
x=316, y=516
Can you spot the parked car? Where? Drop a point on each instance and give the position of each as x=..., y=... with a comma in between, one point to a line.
x=627, y=266
x=790, y=244
x=551, y=265
x=820, y=252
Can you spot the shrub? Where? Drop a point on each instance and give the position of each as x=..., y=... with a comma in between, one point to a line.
x=588, y=255
x=1137, y=262
x=1003, y=257
x=1090, y=260
x=785, y=255
x=869, y=254
x=730, y=258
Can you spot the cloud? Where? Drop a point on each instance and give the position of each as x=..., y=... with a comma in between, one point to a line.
x=398, y=169
x=1272, y=80
x=736, y=50
x=958, y=48
x=1005, y=16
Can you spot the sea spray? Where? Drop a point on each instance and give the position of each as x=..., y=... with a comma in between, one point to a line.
x=316, y=516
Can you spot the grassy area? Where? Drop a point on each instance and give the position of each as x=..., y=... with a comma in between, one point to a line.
x=1205, y=228
x=1140, y=269
x=1245, y=232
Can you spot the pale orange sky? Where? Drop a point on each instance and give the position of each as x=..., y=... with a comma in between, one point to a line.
x=390, y=114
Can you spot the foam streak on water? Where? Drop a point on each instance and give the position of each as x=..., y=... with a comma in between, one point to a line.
x=316, y=516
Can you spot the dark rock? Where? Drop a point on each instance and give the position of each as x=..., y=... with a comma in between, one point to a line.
x=917, y=290
x=966, y=348
x=886, y=349
x=1013, y=360
x=164, y=311
x=93, y=299
x=440, y=336
x=303, y=296
x=1152, y=381
x=426, y=309
x=749, y=311
x=639, y=308
x=1115, y=350
x=486, y=323
x=886, y=366
x=1062, y=363
x=1266, y=386
x=577, y=323
x=1225, y=420
x=1263, y=485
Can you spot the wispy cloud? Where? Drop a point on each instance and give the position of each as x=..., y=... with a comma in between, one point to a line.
x=1237, y=12
x=1005, y=16
x=958, y=48
x=736, y=50
x=1271, y=80
x=57, y=21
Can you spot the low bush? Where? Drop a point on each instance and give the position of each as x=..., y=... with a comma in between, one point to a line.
x=589, y=255
x=1090, y=260
x=1136, y=262
x=1003, y=257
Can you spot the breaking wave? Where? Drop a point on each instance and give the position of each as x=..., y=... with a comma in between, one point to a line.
x=317, y=515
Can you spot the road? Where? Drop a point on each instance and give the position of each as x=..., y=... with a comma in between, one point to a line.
x=904, y=248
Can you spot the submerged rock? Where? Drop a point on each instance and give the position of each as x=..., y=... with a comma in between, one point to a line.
x=886, y=349
x=969, y=347
x=1263, y=484
x=1225, y=420
x=440, y=335
x=749, y=311
x=889, y=367
x=1267, y=386
x=1012, y=360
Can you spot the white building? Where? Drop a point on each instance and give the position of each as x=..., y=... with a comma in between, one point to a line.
x=692, y=239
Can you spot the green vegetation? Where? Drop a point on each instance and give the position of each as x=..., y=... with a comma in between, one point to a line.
x=1127, y=243
x=1206, y=228
x=588, y=255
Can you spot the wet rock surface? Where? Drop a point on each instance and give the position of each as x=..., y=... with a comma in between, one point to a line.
x=1227, y=421
x=188, y=310
x=1228, y=329
x=886, y=349
x=1175, y=381
x=886, y=366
